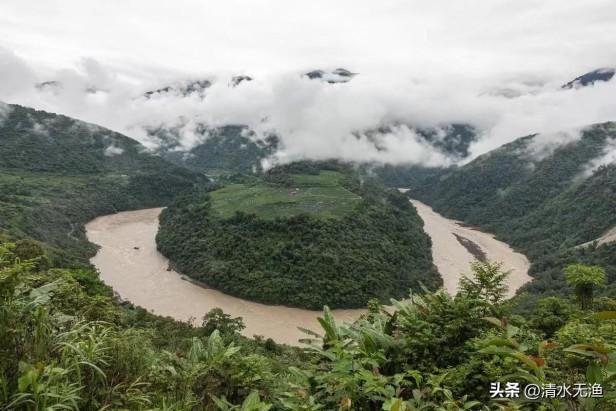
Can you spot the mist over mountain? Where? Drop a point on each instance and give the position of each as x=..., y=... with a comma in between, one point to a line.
x=184, y=89
x=226, y=149
x=375, y=118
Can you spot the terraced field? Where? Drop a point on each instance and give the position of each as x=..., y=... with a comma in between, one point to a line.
x=321, y=195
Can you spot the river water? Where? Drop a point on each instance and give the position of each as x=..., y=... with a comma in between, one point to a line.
x=453, y=259
x=129, y=262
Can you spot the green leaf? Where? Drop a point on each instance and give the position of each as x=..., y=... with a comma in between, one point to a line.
x=594, y=374
x=604, y=315
x=394, y=404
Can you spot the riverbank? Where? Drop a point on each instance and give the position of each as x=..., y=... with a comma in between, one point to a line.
x=129, y=262
x=455, y=246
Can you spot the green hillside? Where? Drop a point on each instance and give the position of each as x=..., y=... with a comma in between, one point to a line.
x=66, y=343
x=224, y=150
x=302, y=236
x=543, y=206
x=57, y=173
x=538, y=205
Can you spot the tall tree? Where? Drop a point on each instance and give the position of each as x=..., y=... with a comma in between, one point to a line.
x=584, y=279
x=486, y=282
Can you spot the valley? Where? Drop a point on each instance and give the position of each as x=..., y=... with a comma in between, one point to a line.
x=279, y=247
x=129, y=262
x=141, y=276
x=452, y=258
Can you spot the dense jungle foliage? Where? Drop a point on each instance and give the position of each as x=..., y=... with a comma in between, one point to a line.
x=65, y=343
x=57, y=173
x=302, y=237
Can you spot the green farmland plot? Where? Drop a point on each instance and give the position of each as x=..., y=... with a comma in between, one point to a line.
x=321, y=195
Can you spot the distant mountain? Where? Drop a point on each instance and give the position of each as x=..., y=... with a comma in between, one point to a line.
x=183, y=88
x=223, y=150
x=236, y=80
x=56, y=173
x=339, y=75
x=48, y=85
x=55, y=86
x=590, y=78
x=452, y=140
x=235, y=149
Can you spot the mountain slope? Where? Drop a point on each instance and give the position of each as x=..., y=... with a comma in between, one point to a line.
x=228, y=149
x=56, y=173
x=522, y=193
x=542, y=199
x=452, y=141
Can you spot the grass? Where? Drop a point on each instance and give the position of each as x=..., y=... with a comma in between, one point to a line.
x=321, y=196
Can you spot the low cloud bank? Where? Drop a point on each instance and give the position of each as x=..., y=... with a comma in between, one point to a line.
x=316, y=119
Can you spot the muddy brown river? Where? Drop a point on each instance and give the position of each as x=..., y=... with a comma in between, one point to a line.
x=129, y=262
x=453, y=259
x=141, y=277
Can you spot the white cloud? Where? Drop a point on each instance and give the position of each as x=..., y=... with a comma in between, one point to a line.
x=5, y=110
x=113, y=150
x=495, y=64
x=543, y=145
x=15, y=74
x=608, y=157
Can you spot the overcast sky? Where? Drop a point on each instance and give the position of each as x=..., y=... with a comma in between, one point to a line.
x=472, y=36
x=422, y=61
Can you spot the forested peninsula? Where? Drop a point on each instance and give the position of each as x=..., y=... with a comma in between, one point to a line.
x=303, y=235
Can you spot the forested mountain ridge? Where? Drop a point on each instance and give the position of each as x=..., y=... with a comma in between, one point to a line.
x=57, y=173
x=542, y=199
x=521, y=184
x=224, y=150
x=305, y=235
x=237, y=149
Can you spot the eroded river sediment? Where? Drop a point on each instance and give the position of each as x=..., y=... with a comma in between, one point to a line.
x=129, y=262
x=455, y=246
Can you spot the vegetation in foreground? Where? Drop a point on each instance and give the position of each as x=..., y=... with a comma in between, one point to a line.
x=336, y=241
x=66, y=344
